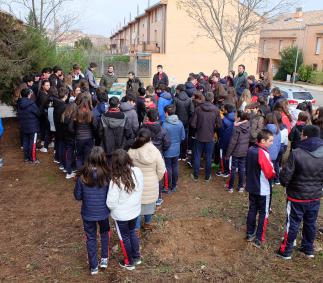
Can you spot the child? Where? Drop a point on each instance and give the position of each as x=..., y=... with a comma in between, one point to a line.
x=28, y=114
x=238, y=149
x=92, y=189
x=141, y=109
x=176, y=133
x=256, y=121
x=124, y=202
x=259, y=172
x=244, y=100
x=225, y=137
x=165, y=98
x=295, y=134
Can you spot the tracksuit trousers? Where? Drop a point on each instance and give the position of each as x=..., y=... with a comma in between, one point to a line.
x=258, y=205
x=29, y=145
x=296, y=212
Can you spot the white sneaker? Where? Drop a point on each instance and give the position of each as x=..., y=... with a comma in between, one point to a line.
x=61, y=167
x=64, y=171
x=241, y=190
x=104, y=263
x=70, y=176
x=51, y=144
x=44, y=150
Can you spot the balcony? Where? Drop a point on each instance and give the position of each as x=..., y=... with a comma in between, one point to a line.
x=150, y=46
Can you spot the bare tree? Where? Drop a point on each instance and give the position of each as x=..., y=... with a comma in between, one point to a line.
x=47, y=16
x=233, y=25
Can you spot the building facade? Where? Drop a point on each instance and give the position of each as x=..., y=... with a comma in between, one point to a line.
x=303, y=29
x=171, y=38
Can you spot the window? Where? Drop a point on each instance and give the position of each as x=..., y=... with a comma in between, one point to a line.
x=318, y=46
x=280, y=45
x=314, y=67
x=302, y=95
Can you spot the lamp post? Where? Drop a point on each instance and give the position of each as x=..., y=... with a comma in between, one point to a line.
x=299, y=20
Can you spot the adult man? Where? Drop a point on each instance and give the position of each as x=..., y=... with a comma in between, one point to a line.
x=206, y=120
x=160, y=77
x=133, y=82
x=54, y=78
x=76, y=74
x=240, y=81
x=109, y=78
x=303, y=178
x=89, y=76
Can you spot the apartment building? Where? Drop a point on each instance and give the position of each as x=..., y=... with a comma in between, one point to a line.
x=170, y=38
x=302, y=29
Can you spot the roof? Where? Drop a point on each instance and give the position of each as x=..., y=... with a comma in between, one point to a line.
x=288, y=22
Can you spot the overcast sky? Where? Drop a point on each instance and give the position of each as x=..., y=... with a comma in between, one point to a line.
x=102, y=16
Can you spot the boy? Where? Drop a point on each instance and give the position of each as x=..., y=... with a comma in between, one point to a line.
x=141, y=109
x=238, y=149
x=28, y=114
x=129, y=109
x=295, y=134
x=149, y=104
x=176, y=133
x=225, y=137
x=260, y=171
x=165, y=98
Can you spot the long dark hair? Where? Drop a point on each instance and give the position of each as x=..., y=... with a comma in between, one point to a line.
x=83, y=113
x=319, y=120
x=271, y=119
x=95, y=171
x=121, y=172
x=282, y=106
x=143, y=137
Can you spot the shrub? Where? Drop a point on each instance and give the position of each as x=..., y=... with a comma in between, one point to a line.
x=316, y=78
x=304, y=72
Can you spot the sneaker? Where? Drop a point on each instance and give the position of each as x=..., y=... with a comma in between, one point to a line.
x=241, y=190
x=256, y=243
x=61, y=167
x=51, y=144
x=34, y=162
x=195, y=179
x=56, y=161
x=250, y=237
x=230, y=191
x=225, y=175
x=189, y=163
x=173, y=190
x=306, y=253
x=137, y=261
x=104, y=263
x=70, y=176
x=207, y=180
x=26, y=160
x=159, y=202
x=277, y=183
x=165, y=191
x=64, y=170
x=127, y=266
x=44, y=150
x=283, y=255
x=189, y=152
x=94, y=271
x=219, y=174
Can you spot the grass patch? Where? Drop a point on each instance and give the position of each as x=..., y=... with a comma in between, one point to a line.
x=208, y=212
x=164, y=269
x=161, y=219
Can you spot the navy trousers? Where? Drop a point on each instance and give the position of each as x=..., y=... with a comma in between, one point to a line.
x=172, y=170
x=296, y=212
x=29, y=146
x=199, y=147
x=258, y=205
x=90, y=228
x=83, y=148
x=240, y=163
x=69, y=146
x=128, y=240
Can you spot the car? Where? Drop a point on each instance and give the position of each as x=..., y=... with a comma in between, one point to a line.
x=118, y=90
x=296, y=95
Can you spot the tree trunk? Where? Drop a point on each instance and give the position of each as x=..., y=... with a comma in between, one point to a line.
x=230, y=64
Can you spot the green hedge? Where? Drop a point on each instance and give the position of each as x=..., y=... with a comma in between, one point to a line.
x=316, y=78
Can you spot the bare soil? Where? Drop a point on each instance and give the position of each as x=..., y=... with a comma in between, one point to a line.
x=199, y=235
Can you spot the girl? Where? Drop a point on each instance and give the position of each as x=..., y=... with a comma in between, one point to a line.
x=272, y=125
x=76, y=91
x=84, y=126
x=124, y=202
x=92, y=188
x=149, y=159
x=282, y=107
x=245, y=99
x=318, y=120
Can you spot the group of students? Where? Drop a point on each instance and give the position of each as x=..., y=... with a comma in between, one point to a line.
x=126, y=153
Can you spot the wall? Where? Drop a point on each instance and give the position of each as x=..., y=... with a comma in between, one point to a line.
x=310, y=57
x=185, y=53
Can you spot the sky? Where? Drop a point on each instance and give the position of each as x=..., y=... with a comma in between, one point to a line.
x=103, y=16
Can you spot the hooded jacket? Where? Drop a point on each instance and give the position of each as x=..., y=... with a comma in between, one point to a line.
x=159, y=136
x=115, y=131
x=28, y=114
x=206, y=120
x=226, y=130
x=240, y=83
x=275, y=147
x=107, y=80
x=295, y=134
x=184, y=107
x=134, y=84
x=165, y=99
x=163, y=79
x=190, y=88
x=257, y=122
x=93, y=199
x=149, y=160
x=239, y=142
x=175, y=131
x=131, y=114
x=303, y=173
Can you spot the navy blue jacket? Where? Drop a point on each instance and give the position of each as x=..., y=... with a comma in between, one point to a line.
x=28, y=114
x=226, y=130
x=94, y=207
x=190, y=89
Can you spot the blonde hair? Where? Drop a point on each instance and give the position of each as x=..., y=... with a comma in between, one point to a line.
x=245, y=97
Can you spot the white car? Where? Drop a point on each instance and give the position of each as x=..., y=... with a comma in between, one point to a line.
x=296, y=95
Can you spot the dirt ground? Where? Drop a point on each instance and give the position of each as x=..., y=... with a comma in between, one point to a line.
x=198, y=237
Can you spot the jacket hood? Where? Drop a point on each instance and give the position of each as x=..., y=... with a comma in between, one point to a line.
x=112, y=122
x=144, y=154
x=314, y=146
x=155, y=127
x=125, y=106
x=208, y=107
x=166, y=95
x=182, y=96
x=189, y=85
x=230, y=116
x=25, y=102
x=272, y=128
x=173, y=119
x=244, y=126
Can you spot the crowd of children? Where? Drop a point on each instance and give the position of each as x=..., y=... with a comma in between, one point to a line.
x=125, y=154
